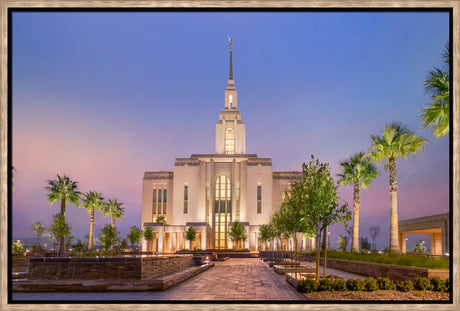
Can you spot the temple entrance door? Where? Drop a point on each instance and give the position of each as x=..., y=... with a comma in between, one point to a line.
x=222, y=211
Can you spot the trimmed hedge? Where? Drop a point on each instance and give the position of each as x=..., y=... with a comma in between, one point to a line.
x=307, y=286
x=438, y=284
x=340, y=285
x=371, y=284
x=385, y=283
x=404, y=286
x=355, y=284
x=422, y=283
x=326, y=285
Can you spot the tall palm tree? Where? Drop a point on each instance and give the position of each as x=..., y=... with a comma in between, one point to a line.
x=65, y=190
x=437, y=85
x=360, y=171
x=92, y=201
x=396, y=142
x=114, y=210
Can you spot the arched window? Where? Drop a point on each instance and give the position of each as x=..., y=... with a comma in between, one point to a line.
x=230, y=101
x=229, y=141
x=222, y=211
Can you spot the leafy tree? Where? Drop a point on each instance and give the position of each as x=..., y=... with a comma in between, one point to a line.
x=191, y=235
x=420, y=247
x=79, y=246
x=364, y=244
x=134, y=236
x=359, y=171
x=92, y=201
x=17, y=247
x=109, y=237
x=237, y=233
x=39, y=230
x=149, y=236
x=65, y=190
x=317, y=196
x=60, y=229
x=123, y=244
x=161, y=219
x=437, y=84
x=70, y=239
x=396, y=142
x=374, y=232
x=265, y=233
x=342, y=242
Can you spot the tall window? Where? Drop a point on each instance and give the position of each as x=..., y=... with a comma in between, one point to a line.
x=229, y=141
x=259, y=199
x=154, y=203
x=185, y=199
x=222, y=211
x=164, y=201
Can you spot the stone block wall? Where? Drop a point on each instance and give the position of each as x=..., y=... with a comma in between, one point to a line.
x=393, y=272
x=152, y=266
x=104, y=268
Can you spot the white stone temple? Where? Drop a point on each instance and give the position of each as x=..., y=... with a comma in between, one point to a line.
x=210, y=191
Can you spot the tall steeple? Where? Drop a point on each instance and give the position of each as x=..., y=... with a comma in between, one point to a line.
x=230, y=130
x=230, y=77
x=230, y=92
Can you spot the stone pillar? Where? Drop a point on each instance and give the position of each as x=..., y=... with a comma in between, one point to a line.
x=161, y=238
x=203, y=238
x=246, y=243
x=212, y=193
x=257, y=241
x=402, y=242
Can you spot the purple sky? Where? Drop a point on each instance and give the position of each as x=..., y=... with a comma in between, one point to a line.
x=104, y=97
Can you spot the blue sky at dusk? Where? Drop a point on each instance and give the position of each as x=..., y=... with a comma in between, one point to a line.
x=105, y=96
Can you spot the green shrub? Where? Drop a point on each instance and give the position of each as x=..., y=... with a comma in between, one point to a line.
x=371, y=284
x=326, y=285
x=355, y=284
x=447, y=284
x=307, y=286
x=385, y=283
x=422, y=283
x=404, y=286
x=340, y=285
x=437, y=284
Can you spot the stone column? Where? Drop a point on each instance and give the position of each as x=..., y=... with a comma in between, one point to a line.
x=212, y=193
x=257, y=241
x=203, y=238
x=402, y=242
x=161, y=238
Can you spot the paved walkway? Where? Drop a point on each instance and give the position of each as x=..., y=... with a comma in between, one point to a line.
x=234, y=279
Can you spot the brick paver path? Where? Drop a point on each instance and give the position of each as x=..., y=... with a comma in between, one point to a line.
x=234, y=279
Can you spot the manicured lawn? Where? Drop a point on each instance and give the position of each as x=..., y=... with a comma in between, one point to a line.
x=401, y=260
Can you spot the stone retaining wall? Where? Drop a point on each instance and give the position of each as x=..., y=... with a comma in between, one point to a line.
x=87, y=268
x=393, y=272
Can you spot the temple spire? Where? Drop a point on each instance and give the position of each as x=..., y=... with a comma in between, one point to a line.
x=231, y=65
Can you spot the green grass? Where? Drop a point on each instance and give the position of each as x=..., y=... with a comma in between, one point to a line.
x=400, y=260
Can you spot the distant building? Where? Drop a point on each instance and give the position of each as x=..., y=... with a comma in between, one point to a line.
x=210, y=191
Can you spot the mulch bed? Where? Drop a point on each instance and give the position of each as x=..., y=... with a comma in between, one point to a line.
x=391, y=295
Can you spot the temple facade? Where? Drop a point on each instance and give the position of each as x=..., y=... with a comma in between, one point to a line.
x=210, y=191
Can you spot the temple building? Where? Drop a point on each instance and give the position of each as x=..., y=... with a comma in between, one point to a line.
x=210, y=191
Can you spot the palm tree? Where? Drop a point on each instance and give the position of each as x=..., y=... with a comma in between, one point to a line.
x=114, y=210
x=396, y=141
x=360, y=171
x=65, y=190
x=437, y=84
x=92, y=201
x=149, y=236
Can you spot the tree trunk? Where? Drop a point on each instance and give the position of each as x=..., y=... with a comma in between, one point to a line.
x=394, y=239
x=112, y=223
x=62, y=240
x=91, y=231
x=325, y=256
x=318, y=246
x=355, y=240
